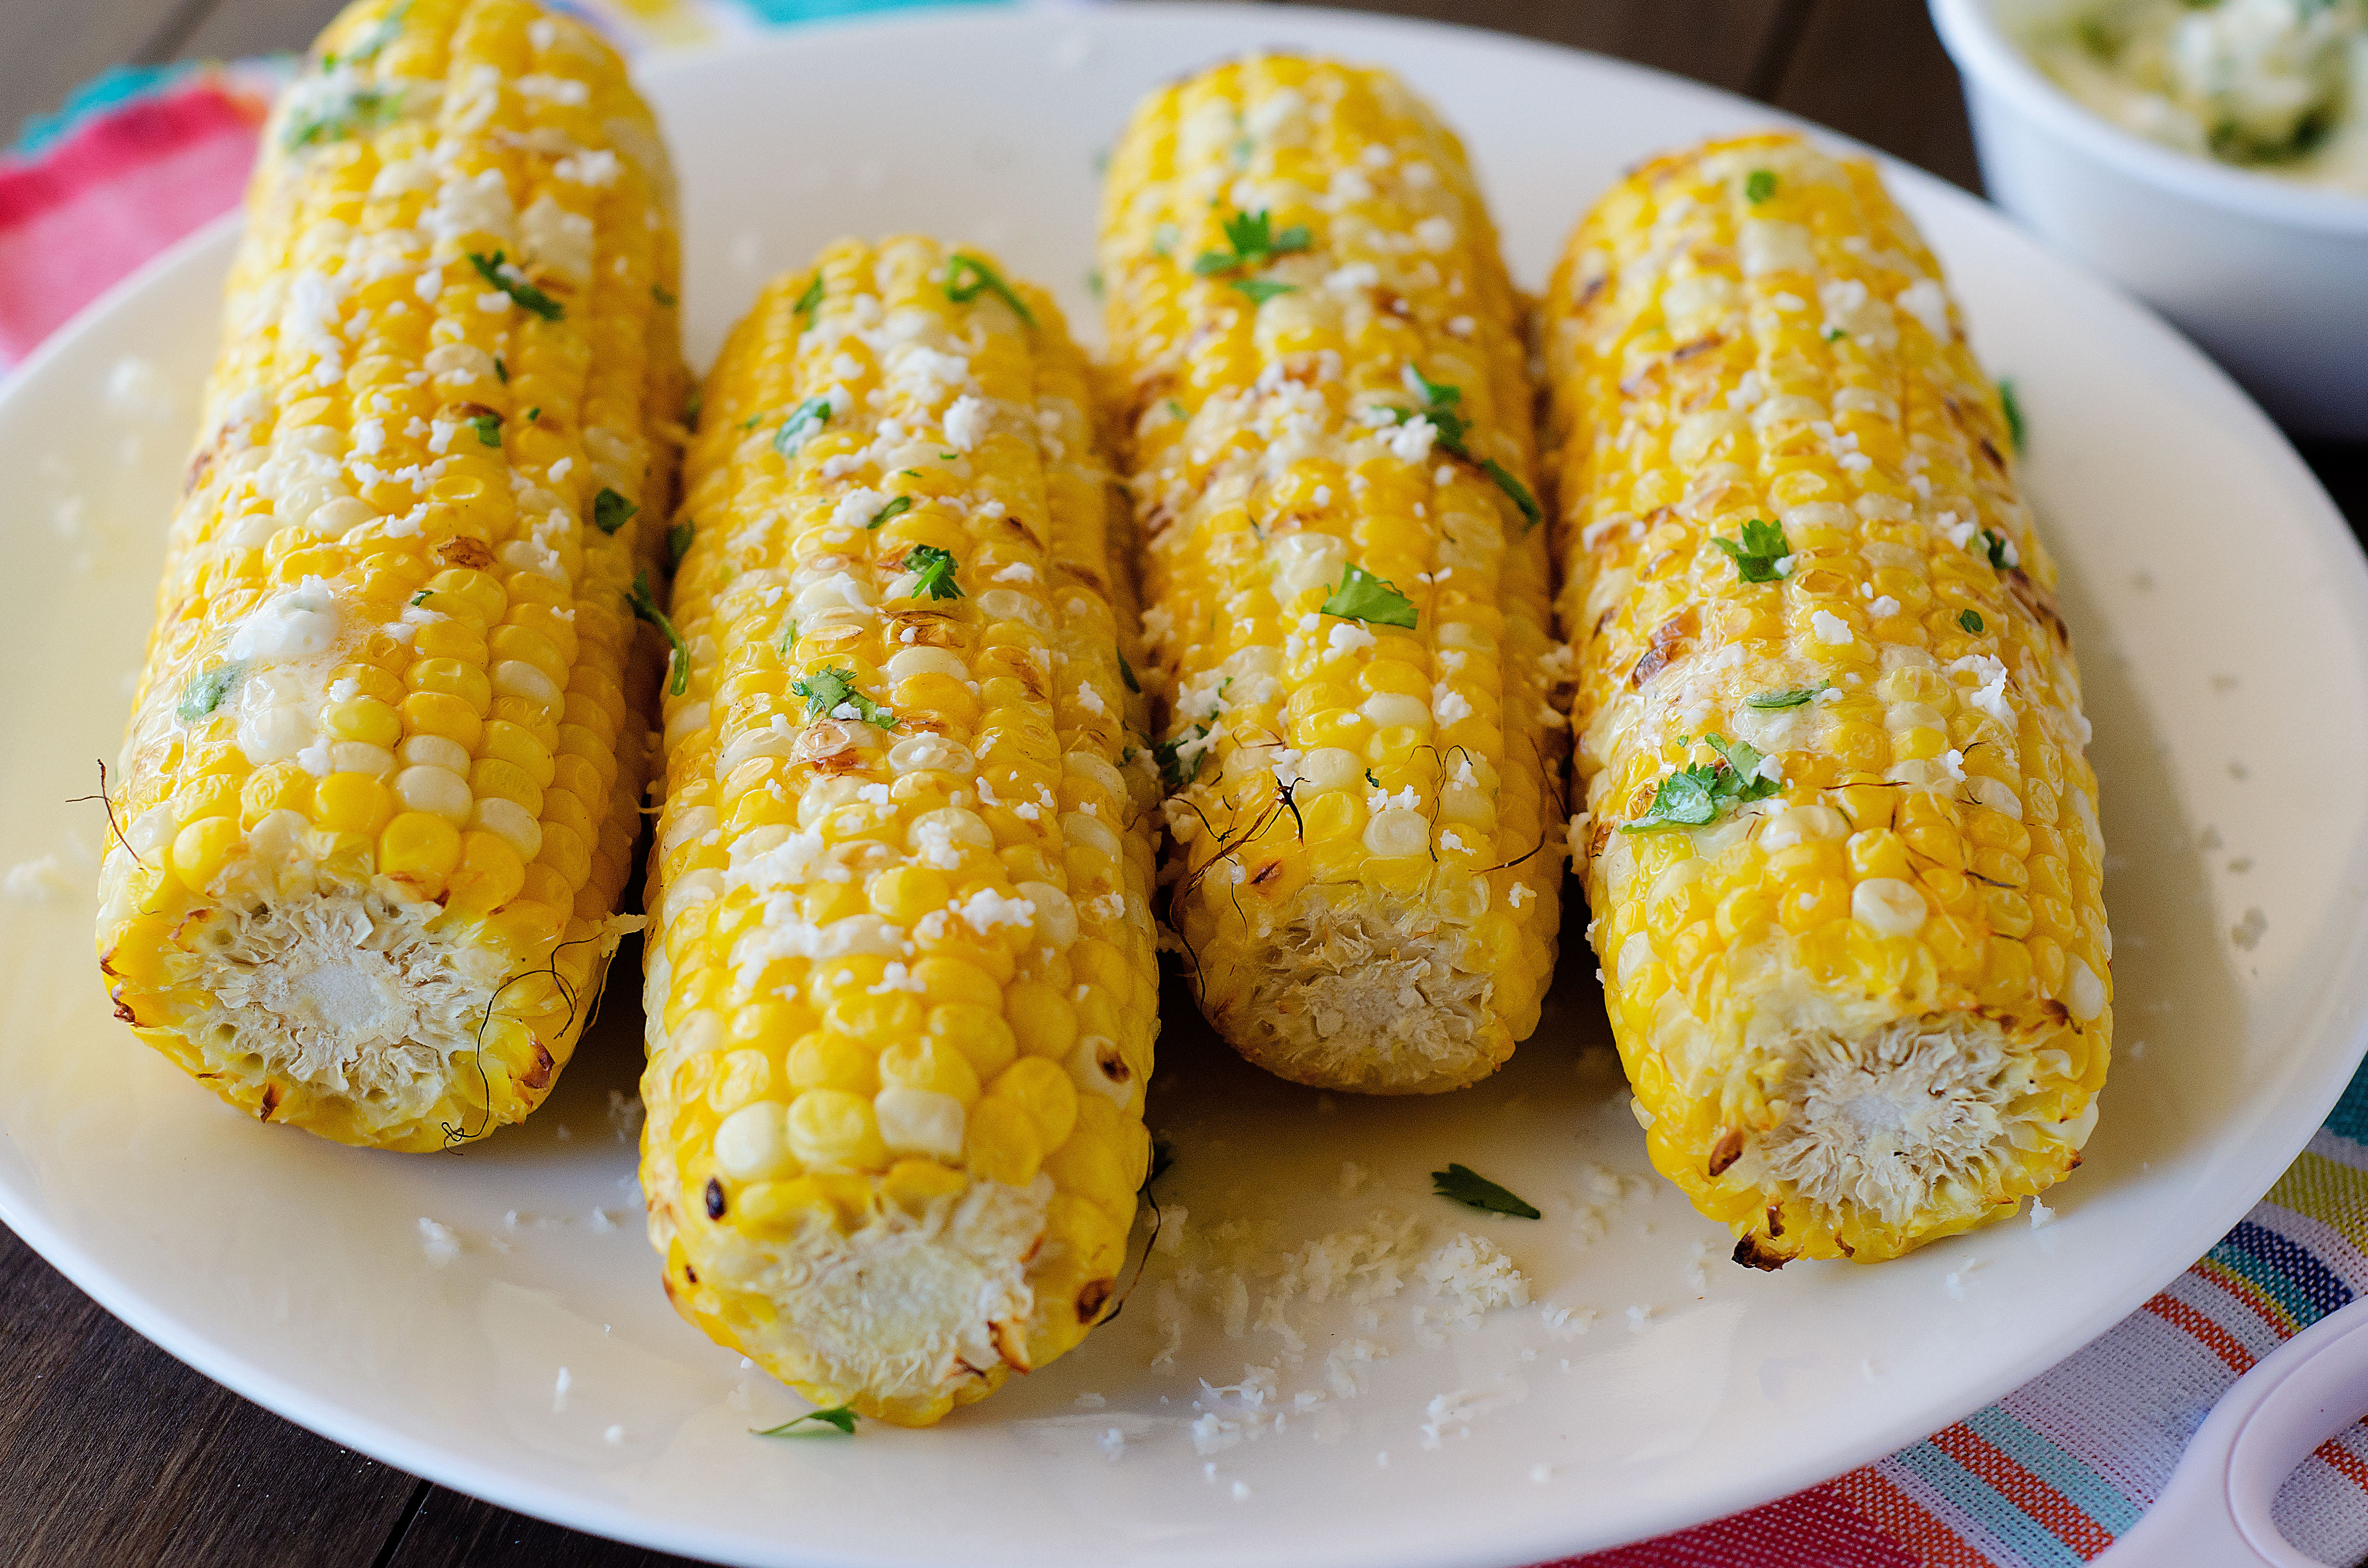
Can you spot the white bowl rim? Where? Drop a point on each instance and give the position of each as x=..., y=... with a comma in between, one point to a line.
x=1970, y=31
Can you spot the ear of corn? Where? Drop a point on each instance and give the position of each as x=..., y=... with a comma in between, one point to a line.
x=901, y=981
x=1842, y=838
x=378, y=797
x=1327, y=425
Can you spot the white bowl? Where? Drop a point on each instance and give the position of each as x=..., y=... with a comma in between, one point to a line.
x=2270, y=277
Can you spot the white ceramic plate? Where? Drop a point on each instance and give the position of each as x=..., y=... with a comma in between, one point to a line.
x=2220, y=608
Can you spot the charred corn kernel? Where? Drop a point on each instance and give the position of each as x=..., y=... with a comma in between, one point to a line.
x=1328, y=419
x=1781, y=480
x=871, y=867
x=334, y=637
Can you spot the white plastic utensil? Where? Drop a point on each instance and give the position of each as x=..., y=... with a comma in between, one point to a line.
x=2215, y=1512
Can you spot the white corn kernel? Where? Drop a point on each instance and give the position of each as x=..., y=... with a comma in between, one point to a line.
x=752, y=1143
x=437, y=791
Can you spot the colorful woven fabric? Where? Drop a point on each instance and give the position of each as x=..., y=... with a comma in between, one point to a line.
x=2050, y=1474
x=2046, y=1477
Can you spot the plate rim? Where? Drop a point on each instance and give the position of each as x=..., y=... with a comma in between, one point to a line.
x=2329, y=530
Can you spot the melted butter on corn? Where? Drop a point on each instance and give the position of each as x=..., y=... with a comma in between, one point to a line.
x=378, y=791
x=1873, y=1006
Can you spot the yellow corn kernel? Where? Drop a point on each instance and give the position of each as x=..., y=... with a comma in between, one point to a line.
x=489, y=874
x=832, y=1060
x=353, y=803
x=931, y=1064
x=913, y=1185
x=832, y=1129
x=420, y=850
x=1042, y=1087
x=1001, y=1143
x=201, y=849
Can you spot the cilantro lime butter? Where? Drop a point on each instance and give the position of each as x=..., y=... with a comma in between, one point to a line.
x=2276, y=86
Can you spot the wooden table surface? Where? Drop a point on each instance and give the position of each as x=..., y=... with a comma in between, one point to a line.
x=111, y=1451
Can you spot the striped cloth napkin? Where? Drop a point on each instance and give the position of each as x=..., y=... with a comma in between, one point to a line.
x=2046, y=1477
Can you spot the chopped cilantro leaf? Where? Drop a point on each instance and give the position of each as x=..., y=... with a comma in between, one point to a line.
x=966, y=275
x=1174, y=772
x=1971, y=621
x=1794, y=698
x=511, y=282
x=678, y=544
x=2012, y=406
x=788, y=640
x=1177, y=409
x=1763, y=547
x=1439, y=405
x=1694, y=794
x=422, y=597
x=895, y=508
x=1363, y=597
x=488, y=428
x=206, y=690
x=501, y=370
x=1743, y=761
x=1126, y=674
x=799, y=427
x=937, y=569
x=1519, y=492
x=1759, y=184
x=1254, y=241
x=807, y=301
x=339, y=114
x=645, y=608
x=1262, y=290
x=611, y=511
x=662, y=295
x=2000, y=553
x=840, y=1416
x=1467, y=1187
x=1834, y=334
x=831, y=691
x=1370, y=780
x=534, y=414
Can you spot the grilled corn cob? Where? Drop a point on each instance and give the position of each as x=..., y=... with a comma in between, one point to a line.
x=1841, y=839
x=1327, y=427
x=901, y=987
x=378, y=797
